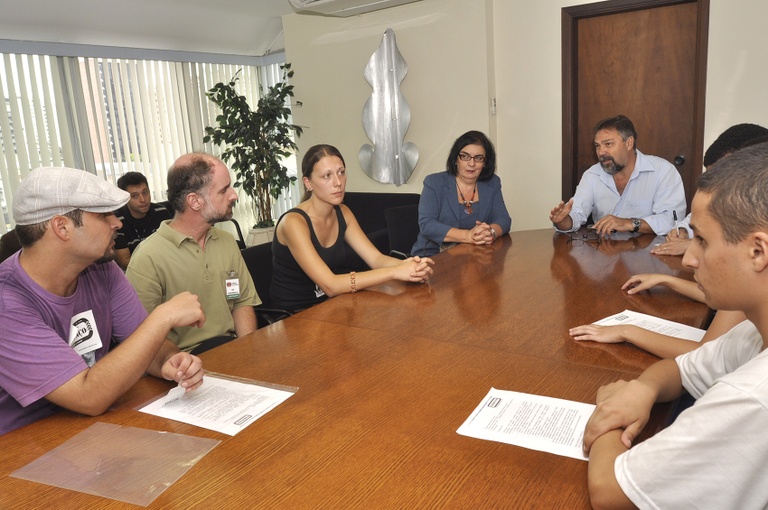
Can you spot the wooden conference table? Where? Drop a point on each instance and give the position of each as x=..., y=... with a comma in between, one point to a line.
x=386, y=377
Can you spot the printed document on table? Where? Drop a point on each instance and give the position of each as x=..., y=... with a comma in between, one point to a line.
x=224, y=404
x=652, y=323
x=539, y=423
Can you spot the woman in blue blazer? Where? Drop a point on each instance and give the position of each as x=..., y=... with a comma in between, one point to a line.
x=463, y=204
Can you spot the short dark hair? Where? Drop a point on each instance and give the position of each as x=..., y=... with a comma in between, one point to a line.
x=738, y=186
x=189, y=174
x=732, y=139
x=30, y=234
x=131, y=179
x=620, y=123
x=310, y=159
x=472, y=138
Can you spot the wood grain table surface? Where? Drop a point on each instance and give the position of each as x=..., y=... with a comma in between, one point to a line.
x=386, y=377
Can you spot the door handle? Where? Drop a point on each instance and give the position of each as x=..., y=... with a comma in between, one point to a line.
x=679, y=160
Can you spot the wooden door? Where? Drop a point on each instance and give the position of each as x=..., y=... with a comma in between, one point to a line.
x=646, y=60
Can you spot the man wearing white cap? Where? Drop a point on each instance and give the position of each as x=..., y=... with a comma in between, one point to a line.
x=61, y=304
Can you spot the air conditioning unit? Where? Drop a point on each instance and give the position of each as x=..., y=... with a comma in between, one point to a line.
x=343, y=8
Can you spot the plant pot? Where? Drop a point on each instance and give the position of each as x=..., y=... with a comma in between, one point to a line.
x=258, y=236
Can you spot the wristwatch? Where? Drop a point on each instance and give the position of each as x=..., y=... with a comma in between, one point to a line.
x=635, y=224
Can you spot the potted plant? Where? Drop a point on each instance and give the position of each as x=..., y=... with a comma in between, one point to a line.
x=256, y=141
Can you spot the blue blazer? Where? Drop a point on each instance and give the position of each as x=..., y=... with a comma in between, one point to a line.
x=440, y=210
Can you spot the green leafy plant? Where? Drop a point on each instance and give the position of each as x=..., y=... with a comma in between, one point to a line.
x=256, y=141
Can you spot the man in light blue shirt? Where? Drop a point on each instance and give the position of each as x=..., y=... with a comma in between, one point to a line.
x=626, y=191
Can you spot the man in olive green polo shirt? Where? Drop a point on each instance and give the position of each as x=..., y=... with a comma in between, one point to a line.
x=188, y=254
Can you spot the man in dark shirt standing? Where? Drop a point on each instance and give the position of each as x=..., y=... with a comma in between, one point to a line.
x=140, y=216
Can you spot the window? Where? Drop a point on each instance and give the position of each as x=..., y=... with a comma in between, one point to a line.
x=113, y=115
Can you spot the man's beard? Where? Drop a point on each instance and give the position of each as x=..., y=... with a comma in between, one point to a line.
x=214, y=218
x=108, y=256
x=610, y=166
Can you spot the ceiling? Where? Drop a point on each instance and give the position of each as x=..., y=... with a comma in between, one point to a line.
x=237, y=27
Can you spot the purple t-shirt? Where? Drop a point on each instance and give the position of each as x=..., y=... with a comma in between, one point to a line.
x=35, y=354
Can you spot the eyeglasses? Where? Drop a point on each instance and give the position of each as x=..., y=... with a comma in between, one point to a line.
x=479, y=158
x=589, y=237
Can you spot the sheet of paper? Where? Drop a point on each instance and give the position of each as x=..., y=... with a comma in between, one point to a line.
x=539, y=423
x=222, y=404
x=652, y=323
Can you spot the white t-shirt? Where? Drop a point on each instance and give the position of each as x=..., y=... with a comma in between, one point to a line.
x=715, y=454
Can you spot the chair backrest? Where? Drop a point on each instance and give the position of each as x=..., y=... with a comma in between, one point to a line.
x=9, y=244
x=258, y=259
x=233, y=227
x=368, y=208
x=402, y=227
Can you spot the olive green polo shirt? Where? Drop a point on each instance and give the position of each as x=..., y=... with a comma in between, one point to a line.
x=169, y=262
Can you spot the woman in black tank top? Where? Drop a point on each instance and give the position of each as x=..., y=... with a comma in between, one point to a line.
x=309, y=244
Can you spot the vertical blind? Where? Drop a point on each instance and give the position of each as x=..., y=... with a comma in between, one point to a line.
x=111, y=116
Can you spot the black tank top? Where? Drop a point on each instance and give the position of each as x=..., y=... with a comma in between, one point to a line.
x=291, y=288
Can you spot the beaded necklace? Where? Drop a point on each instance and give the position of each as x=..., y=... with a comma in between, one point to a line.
x=467, y=203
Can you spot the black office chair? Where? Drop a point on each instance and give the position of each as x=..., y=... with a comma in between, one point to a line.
x=402, y=229
x=259, y=261
x=9, y=244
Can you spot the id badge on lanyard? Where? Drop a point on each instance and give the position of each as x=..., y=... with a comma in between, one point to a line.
x=232, y=284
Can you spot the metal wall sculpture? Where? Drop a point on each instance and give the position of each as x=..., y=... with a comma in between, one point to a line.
x=386, y=117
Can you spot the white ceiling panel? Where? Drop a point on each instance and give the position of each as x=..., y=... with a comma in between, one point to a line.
x=238, y=27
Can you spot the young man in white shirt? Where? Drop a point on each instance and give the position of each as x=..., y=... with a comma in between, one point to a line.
x=715, y=454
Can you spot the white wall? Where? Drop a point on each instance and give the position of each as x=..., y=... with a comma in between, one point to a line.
x=737, y=70
x=529, y=99
x=444, y=45
x=460, y=53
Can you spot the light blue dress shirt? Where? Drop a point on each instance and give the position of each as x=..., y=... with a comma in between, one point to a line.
x=654, y=190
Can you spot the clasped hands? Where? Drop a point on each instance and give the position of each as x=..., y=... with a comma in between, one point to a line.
x=420, y=268
x=622, y=405
x=481, y=233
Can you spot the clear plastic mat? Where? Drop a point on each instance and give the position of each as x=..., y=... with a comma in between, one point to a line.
x=123, y=463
